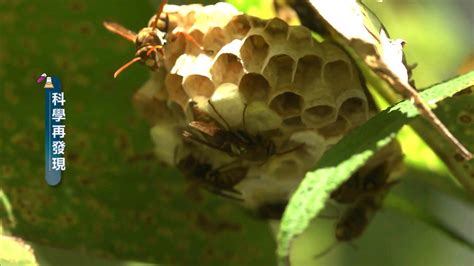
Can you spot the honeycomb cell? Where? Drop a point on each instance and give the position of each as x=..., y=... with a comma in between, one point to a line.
x=190, y=16
x=300, y=36
x=286, y=169
x=173, y=50
x=256, y=22
x=277, y=30
x=354, y=109
x=150, y=99
x=254, y=87
x=312, y=140
x=333, y=52
x=259, y=118
x=175, y=90
x=279, y=71
x=220, y=13
x=308, y=73
x=197, y=86
x=227, y=68
x=287, y=104
x=228, y=104
x=335, y=129
x=337, y=75
x=261, y=191
x=215, y=39
x=191, y=47
x=283, y=167
x=319, y=115
x=187, y=65
x=293, y=123
x=254, y=51
x=238, y=27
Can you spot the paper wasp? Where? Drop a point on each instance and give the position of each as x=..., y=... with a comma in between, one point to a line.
x=356, y=219
x=220, y=180
x=372, y=177
x=234, y=142
x=364, y=193
x=149, y=41
x=358, y=215
x=359, y=185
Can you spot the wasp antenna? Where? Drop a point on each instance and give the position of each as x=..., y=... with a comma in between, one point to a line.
x=122, y=68
x=154, y=24
x=167, y=23
x=218, y=114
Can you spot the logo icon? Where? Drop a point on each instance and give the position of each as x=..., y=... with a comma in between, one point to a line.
x=41, y=78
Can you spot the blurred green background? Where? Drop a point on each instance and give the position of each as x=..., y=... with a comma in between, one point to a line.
x=116, y=205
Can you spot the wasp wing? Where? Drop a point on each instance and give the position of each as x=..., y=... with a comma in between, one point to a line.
x=120, y=30
x=209, y=129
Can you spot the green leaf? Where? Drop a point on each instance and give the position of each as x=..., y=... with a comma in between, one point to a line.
x=458, y=114
x=262, y=9
x=410, y=209
x=115, y=200
x=15, y=252
x=6, y=214
x=347, y=156
x=51, y=256
x=438, y=181
x=243, y=5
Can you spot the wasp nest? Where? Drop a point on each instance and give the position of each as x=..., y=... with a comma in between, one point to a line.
x=259, y=102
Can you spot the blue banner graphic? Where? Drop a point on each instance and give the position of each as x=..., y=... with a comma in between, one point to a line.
x=55, y=131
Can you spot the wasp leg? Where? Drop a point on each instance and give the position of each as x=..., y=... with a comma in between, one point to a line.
x=220, y=116
x=191, y=39
x=243, y=118
x=291, y=150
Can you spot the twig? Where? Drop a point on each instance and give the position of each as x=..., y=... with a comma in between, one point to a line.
x=407, y=91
